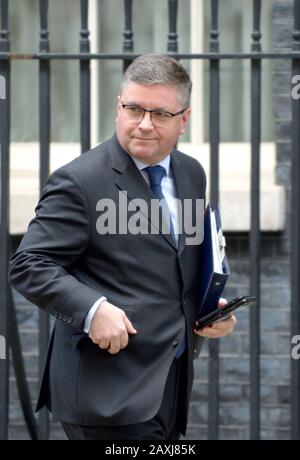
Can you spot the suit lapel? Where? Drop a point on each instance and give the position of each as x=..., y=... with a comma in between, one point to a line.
x=131, y=181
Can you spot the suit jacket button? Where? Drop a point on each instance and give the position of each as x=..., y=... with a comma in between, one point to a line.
x=55, y=313
x=69, y=320
x=176, y=343
x=60, y=316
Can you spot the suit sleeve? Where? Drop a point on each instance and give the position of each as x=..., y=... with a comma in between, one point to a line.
x=56, y=239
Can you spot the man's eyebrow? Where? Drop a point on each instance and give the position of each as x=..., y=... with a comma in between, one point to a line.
x=129, y=102
x=136, y=104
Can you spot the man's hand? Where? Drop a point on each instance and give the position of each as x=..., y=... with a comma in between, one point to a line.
x=110, y=328
x=219, y=329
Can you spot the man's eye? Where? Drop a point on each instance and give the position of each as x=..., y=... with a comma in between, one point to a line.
x=162, y=115
x=133, y=109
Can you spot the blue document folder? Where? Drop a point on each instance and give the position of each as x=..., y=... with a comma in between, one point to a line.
x=214, y=265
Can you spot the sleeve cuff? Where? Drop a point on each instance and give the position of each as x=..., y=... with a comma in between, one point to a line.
x=90, y=315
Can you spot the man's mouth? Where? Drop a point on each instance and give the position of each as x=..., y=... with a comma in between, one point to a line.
x=145, y=139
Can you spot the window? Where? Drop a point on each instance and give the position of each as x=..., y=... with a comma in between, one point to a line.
x=150, y=27
x=64, y=26
x=150, y=35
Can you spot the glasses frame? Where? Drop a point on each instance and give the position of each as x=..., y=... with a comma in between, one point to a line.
x=170, y=114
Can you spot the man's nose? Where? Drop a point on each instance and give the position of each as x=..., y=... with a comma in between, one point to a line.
x=146, y=121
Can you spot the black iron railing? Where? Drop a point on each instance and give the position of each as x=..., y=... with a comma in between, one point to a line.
x=255, y=224
x=295, y=225
x=214, y=56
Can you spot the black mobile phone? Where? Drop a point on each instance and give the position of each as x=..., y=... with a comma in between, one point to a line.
x=225, y=312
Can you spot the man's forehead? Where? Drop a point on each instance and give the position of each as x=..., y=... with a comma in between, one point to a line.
x=147, y=88
x=157, y=93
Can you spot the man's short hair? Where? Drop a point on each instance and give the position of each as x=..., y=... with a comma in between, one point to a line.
x=151, y=69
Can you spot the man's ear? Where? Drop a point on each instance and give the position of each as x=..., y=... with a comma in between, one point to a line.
x=119, y=102
x=118, y=107
x=185, y=119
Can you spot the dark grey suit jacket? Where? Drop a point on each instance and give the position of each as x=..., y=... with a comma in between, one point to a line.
x=64, y=265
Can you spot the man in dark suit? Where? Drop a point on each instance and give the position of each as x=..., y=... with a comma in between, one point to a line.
x=123, y=291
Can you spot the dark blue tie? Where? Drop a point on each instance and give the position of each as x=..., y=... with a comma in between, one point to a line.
x=156, y=173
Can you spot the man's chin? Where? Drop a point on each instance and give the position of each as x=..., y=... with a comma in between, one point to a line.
x=143, y=154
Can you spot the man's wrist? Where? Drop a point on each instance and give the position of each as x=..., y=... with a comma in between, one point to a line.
x=90, y=315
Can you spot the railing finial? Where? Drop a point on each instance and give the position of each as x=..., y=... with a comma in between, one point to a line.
x=172, y=46
x=256, y=34
x=214, y=32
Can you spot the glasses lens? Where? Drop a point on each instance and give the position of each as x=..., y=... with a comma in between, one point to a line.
x=134, y=113
x=159, y=117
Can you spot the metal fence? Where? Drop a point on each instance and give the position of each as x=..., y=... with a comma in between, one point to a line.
x=8, y=324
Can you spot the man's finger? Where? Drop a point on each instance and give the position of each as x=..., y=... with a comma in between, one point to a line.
x=129, y=326
x=222, y=302
x=124, y=340
x=219, y=329
x=114, y=347
x=104, y=344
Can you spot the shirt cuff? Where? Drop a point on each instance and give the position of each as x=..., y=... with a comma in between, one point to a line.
x=90, y=315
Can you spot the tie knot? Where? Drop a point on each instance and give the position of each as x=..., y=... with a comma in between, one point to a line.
x=155, y=173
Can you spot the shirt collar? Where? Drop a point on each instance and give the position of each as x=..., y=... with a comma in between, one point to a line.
x=165, y=163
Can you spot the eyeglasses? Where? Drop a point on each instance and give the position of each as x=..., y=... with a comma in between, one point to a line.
x=158, y=117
